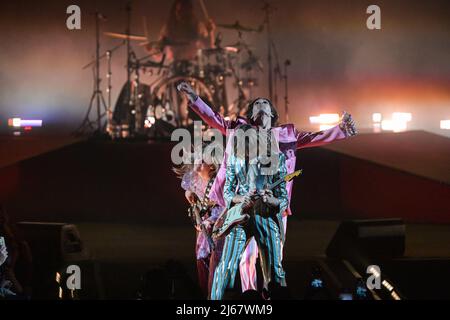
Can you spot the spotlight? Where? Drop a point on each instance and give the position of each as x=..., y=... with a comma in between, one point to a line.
x=387, y=285
x=377, y=117
x=402, y=116
x=325, y=118
x=445, y=124
x=18, y=122
x=393, y=125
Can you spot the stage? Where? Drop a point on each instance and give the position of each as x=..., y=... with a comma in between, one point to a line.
x=95, y=97
x=132, y=216
x=126, y=251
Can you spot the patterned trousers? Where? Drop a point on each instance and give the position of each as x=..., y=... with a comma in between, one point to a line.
x=268, y=239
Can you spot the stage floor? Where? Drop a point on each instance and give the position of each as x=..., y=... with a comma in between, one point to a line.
x=126, y=251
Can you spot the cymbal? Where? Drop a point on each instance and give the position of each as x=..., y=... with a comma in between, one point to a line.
x=238, y=27
x=124, y=36
x=164, y=42
x=240, y=45
x=219, y=50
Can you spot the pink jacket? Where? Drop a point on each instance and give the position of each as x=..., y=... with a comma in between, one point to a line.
x=290, y=139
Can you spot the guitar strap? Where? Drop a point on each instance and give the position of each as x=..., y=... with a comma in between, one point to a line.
x=205, y=200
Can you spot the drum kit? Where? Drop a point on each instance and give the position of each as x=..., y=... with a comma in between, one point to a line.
x=155, y=109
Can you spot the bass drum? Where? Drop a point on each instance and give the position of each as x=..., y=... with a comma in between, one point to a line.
x=166, y=98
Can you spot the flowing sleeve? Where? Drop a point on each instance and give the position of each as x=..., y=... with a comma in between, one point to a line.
x=315, y=139
x=212, y=118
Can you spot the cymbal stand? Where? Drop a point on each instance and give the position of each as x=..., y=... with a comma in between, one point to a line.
x=97, y=96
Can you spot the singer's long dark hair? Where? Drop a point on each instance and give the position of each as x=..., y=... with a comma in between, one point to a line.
x=249, y=111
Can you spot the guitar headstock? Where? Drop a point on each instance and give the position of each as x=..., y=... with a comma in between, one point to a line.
x=292, y=175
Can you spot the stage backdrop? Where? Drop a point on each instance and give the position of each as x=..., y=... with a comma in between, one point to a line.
x=337, y=63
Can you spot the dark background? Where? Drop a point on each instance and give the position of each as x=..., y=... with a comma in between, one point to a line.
x=337, y=63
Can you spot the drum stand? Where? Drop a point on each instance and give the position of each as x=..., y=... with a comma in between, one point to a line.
x=97, y=98
x=133, y=83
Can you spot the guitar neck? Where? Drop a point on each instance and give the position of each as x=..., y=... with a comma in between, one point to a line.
x=287, y=178
x=275, y=184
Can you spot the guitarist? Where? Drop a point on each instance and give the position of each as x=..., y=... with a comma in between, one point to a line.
x=263, y=114
x=196, y=181
x=245, y=179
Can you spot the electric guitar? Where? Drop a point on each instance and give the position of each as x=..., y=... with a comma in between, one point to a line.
x=196, y=212
x=238, y=215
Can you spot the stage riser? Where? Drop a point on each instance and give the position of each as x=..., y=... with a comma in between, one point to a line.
x=133, y=182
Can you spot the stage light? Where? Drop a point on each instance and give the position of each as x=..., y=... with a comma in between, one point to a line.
x=393, y=125
x=374, y=272
x=314, y=119
x=395, y=295
x=58, y=277
x=31, y=123
x=390, y=288
x=325, y=118
x=402, y=116
x=17, y=123
x=14, y=122
x=377, y=117
x=445, y=124
x=387, y=285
